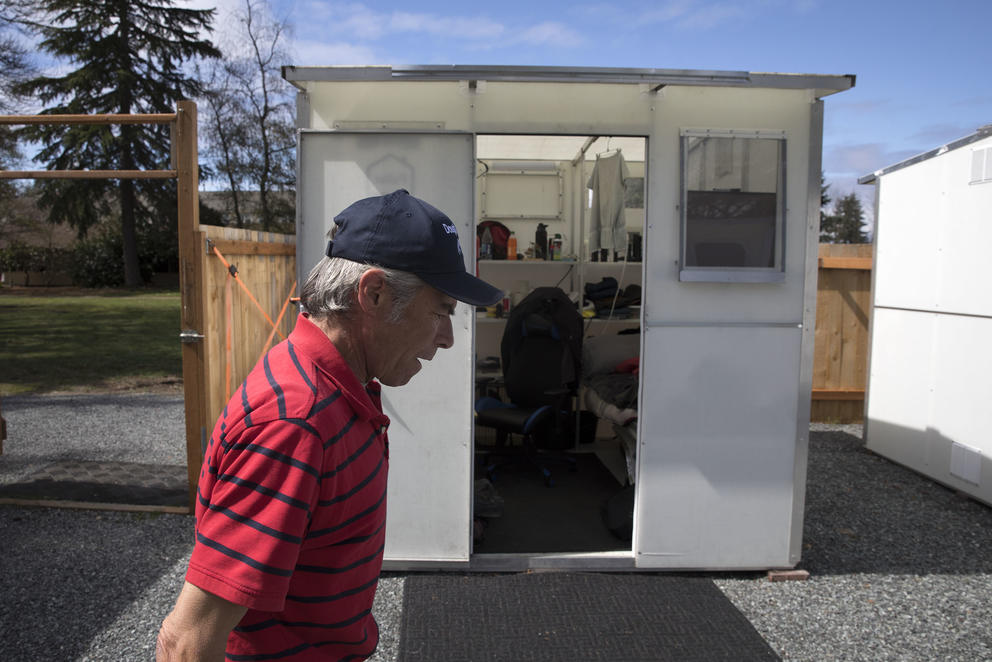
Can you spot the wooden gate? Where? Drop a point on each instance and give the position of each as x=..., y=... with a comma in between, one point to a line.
x=843, y=305
x=236, y=286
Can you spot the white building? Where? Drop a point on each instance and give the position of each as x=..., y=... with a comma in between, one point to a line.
x=928, y=393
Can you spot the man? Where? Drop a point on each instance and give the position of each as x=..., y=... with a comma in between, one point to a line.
x=291, y=505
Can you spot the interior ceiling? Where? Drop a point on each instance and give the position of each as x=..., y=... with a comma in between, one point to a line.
x=554, y=148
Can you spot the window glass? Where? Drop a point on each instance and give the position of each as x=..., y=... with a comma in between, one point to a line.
x=732, y=202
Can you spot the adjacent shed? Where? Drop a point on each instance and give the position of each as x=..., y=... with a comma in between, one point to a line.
x=928, y=389
x=722, y=242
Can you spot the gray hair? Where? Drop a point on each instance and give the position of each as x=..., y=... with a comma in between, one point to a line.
x=330, y=288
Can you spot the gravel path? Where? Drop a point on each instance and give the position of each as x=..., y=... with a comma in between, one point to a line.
x=901, y=568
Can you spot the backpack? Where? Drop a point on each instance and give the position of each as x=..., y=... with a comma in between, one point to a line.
x=500, y=234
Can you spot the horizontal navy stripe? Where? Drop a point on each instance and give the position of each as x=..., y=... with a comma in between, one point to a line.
x=323, y=404
x=351, y=566
x=247, y=521
x=244, y=403
x=342, y=432
x=299, y=368
x=255, y=627
x=302, y=423
x=357, y=540
x=354, y=456
x=261, y=489
x=276, y=455
x=276, y=388
x=247, y=560
x=340, y=624
x=269, y=656
x=320, y=599
x=350, y=493
x=351, y=520
x=338, y=642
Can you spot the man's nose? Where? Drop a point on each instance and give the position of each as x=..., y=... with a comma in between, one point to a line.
x=445, y=334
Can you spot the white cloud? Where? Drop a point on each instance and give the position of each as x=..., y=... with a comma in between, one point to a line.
x=710, y=16
x=320, y=53
x=549, y=34
x=860, y=159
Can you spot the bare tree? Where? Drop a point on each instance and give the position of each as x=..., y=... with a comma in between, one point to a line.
x=250, y=126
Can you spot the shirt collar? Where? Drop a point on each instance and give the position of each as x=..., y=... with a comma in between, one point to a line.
x=365, y=399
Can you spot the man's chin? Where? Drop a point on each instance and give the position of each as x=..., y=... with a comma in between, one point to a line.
x=400, y=380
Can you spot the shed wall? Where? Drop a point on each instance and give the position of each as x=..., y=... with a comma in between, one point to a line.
x=927, y=391
x=740, y=352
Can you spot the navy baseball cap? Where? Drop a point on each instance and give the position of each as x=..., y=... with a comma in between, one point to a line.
x=399, y=231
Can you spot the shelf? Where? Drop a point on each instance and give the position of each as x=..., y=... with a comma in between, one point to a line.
x=612, y=264
x=531, y=263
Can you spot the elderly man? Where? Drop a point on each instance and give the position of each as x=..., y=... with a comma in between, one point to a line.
x=291, y=513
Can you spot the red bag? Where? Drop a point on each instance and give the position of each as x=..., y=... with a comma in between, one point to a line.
x=500, y=234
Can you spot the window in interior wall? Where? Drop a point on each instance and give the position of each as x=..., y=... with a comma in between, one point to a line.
x=732, y=206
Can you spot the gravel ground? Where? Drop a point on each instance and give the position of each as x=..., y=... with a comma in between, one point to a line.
x=901, y=568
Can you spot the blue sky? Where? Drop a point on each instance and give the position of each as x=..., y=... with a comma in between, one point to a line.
x=923, y=76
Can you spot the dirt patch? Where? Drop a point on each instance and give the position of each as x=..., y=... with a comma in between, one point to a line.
x=158, y=385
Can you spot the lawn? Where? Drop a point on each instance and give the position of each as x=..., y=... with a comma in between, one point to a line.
x=91, y=340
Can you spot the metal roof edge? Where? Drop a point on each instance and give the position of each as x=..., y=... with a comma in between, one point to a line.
x=982, y=132
x=824, y=84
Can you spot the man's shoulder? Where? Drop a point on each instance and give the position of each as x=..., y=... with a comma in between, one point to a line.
x=283, y=385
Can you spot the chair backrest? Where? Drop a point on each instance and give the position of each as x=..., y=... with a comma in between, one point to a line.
x=542, y=347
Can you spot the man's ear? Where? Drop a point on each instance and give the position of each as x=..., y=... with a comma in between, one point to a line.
x=373, y=294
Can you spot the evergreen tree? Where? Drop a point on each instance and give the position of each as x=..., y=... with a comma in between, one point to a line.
x=845, y=225
x=128, y=58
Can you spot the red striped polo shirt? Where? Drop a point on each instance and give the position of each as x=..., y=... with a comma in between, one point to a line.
x=291, y=511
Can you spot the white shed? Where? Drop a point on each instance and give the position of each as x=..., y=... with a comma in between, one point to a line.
x=928, y=392
x=723, y=194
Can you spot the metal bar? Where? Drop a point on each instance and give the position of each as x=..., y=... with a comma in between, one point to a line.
x=838, y=394
x=151, y=118
x=857, y=263
x=88, y=174
x=240, y=247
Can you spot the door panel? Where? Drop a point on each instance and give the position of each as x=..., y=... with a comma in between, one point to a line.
x=430, y=430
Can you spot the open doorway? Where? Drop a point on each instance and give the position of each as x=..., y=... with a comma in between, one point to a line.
x=559, y=219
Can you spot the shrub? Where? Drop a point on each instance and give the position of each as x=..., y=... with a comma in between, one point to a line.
x=98, y=260
x=22, y=257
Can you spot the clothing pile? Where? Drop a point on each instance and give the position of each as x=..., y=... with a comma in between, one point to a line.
x=611, y=301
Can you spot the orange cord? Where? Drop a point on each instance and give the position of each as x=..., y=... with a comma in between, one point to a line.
x=234, y=273
x=227, y=339
x=282, y=311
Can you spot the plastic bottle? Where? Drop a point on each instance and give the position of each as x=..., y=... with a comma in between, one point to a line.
x=556, y=247
x=486, y=248
x=541, y=242
x=511, y=247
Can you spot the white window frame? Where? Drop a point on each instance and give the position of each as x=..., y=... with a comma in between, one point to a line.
x=717, y=274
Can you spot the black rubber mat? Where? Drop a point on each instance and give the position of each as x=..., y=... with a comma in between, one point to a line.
x=569, y=617
x=104, y=482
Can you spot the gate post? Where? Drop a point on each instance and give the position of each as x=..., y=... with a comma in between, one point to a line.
x=190, y=285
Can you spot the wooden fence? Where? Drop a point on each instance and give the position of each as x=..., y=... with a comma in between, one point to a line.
x=239, y=311
x=843, y=305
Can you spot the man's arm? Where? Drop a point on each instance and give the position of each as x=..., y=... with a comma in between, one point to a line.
x=197, y=628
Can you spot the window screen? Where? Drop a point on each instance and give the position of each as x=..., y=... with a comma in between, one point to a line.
x=731, y=205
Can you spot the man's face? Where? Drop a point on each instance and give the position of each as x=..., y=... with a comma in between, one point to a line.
x=425, y=327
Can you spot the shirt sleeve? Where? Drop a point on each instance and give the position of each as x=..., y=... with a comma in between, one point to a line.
x=263, y=490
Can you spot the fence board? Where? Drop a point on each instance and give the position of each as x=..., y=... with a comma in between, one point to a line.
x=266, y=264
x=840, y=355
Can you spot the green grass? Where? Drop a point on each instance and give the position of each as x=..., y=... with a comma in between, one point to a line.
x=91, y=341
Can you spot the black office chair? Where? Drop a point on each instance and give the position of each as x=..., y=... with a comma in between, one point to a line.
x=541, y=353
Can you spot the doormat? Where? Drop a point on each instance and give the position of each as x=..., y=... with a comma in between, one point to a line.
x=569, y=617
x=128, y=483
